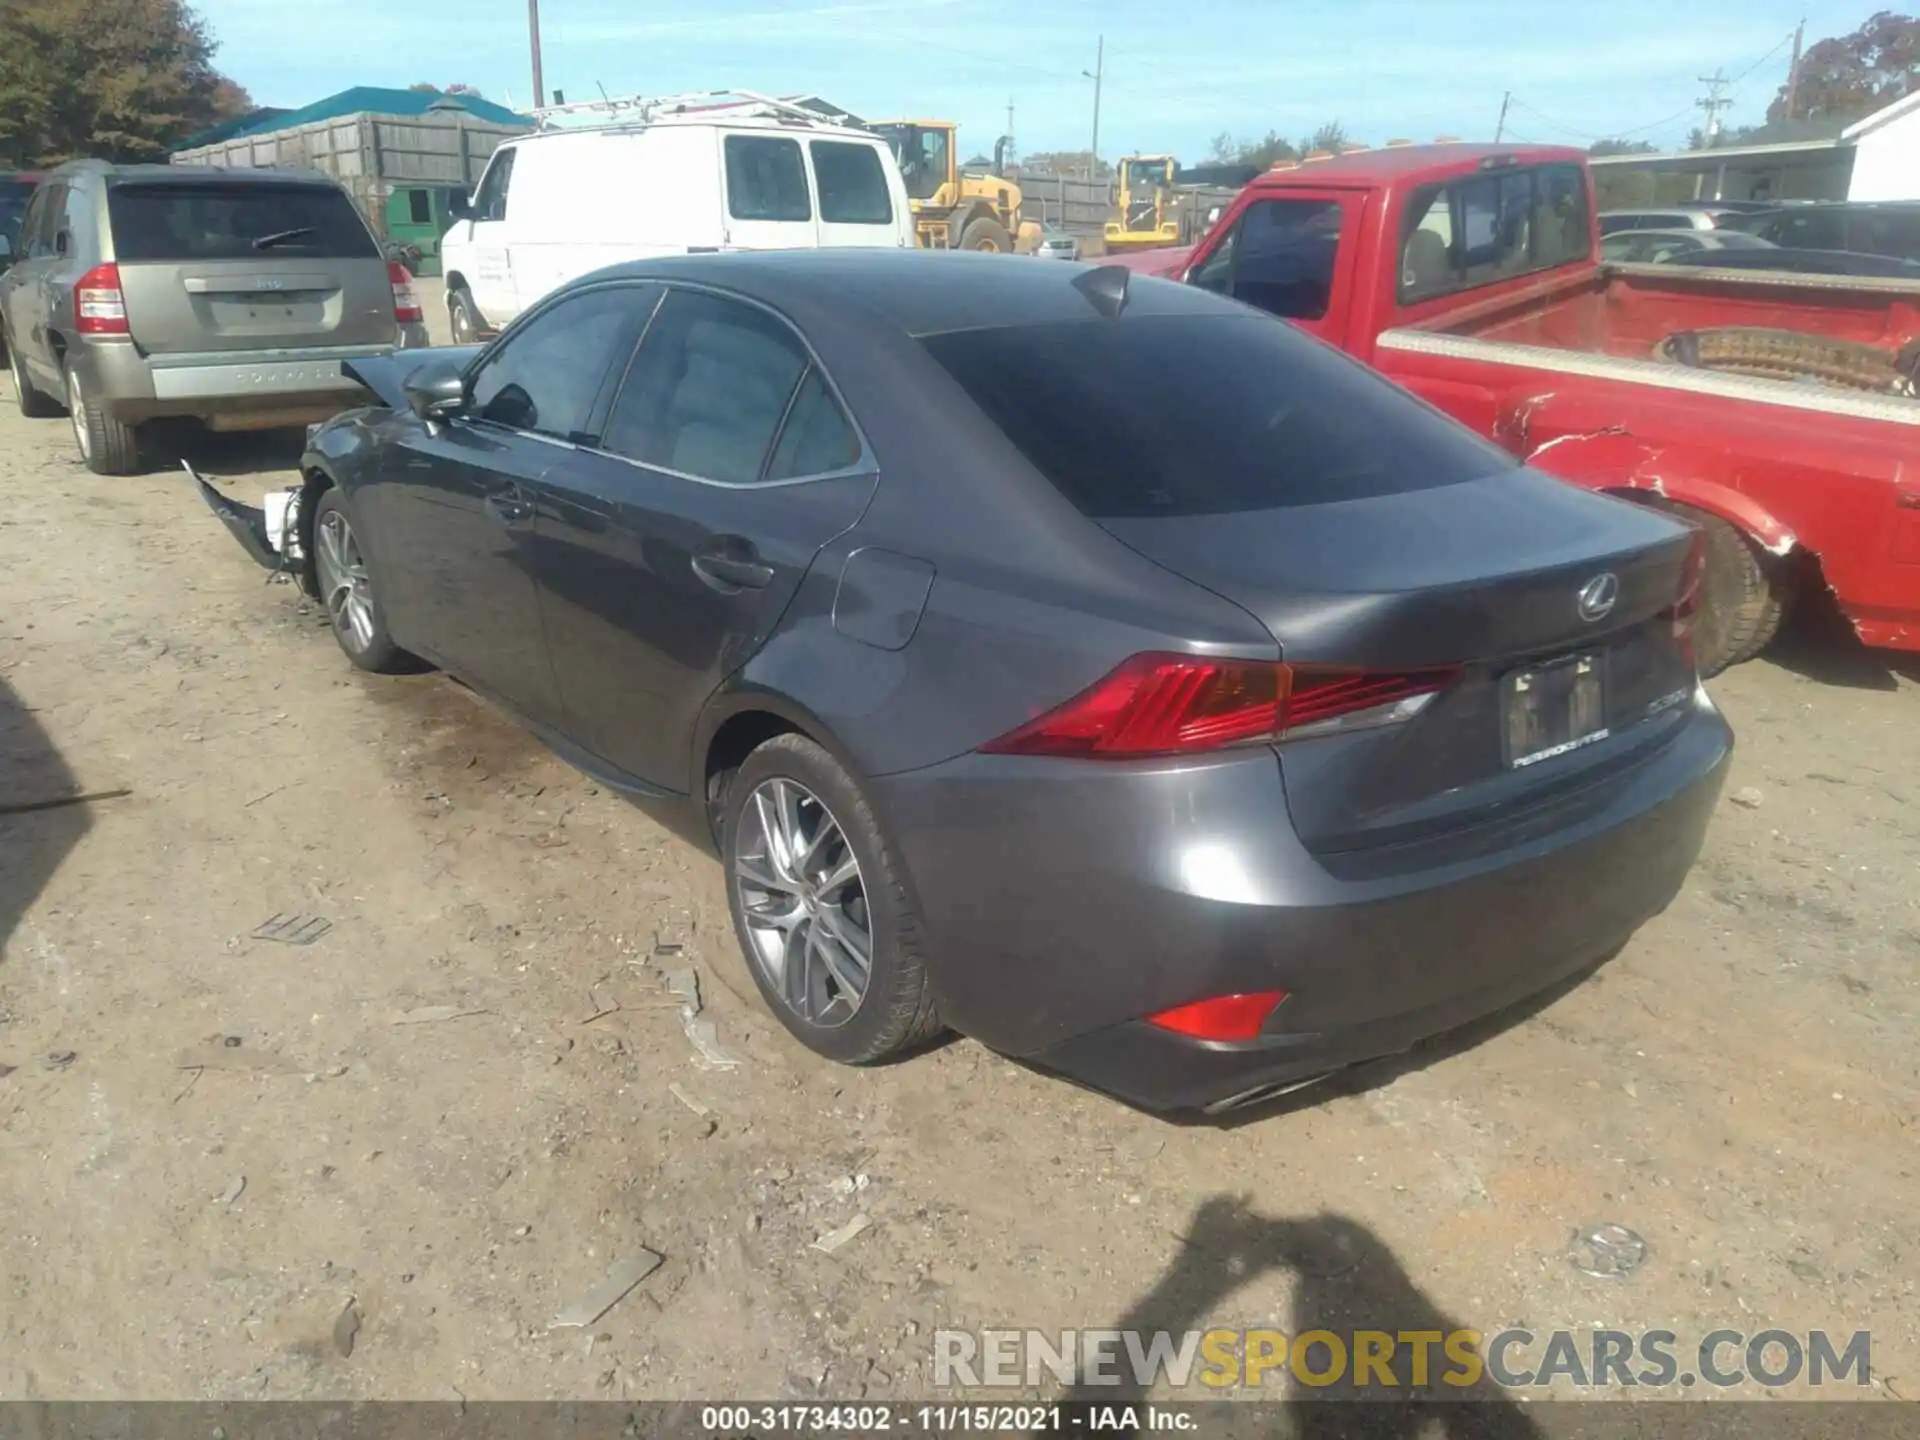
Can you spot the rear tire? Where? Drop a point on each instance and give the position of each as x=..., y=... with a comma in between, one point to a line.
x=345, y=584
x=790, y=921
x=30, y=401
x=107, y=446
x=986, y=234
x=463, y=316
x=1743, y=596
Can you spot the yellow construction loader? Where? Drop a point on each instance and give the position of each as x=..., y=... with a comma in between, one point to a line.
x=1161, y=204
x=955, y=209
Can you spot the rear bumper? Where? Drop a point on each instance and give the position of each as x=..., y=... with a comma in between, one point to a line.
x=1063, y=902
x=281, y=386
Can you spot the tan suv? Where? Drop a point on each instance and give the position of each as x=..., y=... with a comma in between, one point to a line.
x=147, y=292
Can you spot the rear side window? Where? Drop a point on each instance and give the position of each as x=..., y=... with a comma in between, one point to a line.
x=1494, y=226
x=1806, y=230
x=708, y=391
x=217, y=221
x=816, y=438
x=853, y=187
x=1169, y=415
x=766, y=179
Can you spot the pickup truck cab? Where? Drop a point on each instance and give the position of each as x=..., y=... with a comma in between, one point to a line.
x=1777, y=411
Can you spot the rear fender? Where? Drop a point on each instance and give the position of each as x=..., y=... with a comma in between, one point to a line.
x=1616, y=462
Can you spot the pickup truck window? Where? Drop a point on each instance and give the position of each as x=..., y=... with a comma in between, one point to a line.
x=1198, y=414
x=1279, y=257
x=1490, y=227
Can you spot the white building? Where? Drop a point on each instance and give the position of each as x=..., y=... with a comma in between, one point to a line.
x=1877, y=158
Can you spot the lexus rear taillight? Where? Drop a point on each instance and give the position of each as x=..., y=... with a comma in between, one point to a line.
x=99, y=307
x=1224, y=1017
x=1160, y=704
x=406, y=303
x=1686, y=603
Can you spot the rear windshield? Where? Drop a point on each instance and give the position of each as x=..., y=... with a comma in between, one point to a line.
x=236, y=222
x=1204, y=414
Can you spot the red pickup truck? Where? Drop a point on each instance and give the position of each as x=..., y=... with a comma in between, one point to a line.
x=1777, y=411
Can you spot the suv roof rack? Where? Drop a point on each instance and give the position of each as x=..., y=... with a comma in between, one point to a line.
x=642, y=109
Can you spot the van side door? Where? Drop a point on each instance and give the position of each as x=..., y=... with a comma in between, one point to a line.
x=854, y=201
x=491, y=280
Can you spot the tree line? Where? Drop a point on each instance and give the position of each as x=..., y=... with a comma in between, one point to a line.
x=122, y=79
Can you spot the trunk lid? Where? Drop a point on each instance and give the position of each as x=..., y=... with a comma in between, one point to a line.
x=226, y=266
x=1487, y=576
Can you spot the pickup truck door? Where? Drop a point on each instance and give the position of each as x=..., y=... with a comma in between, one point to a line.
x=1292, y=255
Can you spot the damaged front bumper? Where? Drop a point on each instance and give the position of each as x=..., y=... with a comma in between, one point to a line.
x=269, y=532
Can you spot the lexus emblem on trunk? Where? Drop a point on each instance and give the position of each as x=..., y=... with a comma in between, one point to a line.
x=1598, y=595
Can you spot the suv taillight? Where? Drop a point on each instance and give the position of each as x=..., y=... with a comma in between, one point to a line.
x=406, y=303
x=98, y=306
x=1159, y=704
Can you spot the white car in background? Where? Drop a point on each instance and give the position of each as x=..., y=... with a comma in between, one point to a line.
x=690, y=174
x=1647, y=247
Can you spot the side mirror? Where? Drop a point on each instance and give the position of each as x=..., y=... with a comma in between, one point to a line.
x=459, y=206
x=437, y=390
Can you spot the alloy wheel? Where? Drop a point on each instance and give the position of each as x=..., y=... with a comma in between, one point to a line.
x=805, y=903
x=77, y=411
x=344, y=583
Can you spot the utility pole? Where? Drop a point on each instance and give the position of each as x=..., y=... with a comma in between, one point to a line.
x=1714, y=103
x=1013, y=150
x=1793, y=73
x=1097, y=74
x=1501, y=128
x=533, y=32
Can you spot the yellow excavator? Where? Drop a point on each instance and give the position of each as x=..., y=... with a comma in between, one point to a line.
x=955, y=209
x=1161, y=204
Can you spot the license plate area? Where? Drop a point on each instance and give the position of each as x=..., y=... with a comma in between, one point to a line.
x=1551, y=709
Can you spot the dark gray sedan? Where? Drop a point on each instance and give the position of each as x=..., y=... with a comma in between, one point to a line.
x=1094, y=666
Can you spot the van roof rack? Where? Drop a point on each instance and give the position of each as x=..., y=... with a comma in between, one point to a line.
x=643, y=109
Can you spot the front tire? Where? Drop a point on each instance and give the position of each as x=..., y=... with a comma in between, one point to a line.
x=463, y=316
x=822, y=908
x=30, y=402
x=986, y=234
x=107, y=446
x=346, y=589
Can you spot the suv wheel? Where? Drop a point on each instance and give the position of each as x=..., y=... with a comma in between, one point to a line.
x=463, y=317
x=32, y=403
x=108, y=447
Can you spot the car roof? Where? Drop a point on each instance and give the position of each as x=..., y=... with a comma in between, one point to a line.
x=195, y=174
x=920, y=292
x=1435, y=162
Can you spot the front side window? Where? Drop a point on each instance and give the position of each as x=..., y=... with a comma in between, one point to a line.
x=14, y=199
x=710, y=389
x=853, y=186
x=491, y=202
x=236, y=221
x=545, y=375
x=1283, y=255
x=766, y=179
x=1491, y=227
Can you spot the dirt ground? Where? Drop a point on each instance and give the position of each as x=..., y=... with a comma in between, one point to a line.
x=453, y=1110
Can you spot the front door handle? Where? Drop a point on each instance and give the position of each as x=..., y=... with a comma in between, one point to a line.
x=509, y=506
x=729, y=563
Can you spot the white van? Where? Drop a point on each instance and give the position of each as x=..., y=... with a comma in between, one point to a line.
x=679, y=177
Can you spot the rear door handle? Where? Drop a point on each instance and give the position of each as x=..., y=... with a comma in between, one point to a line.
x=509, y=506
x=730, y=562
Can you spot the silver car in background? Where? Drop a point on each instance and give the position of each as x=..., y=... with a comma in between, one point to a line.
x=148, y=292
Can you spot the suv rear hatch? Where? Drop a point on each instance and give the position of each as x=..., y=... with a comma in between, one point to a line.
x=1518, y=634
x=213, y=266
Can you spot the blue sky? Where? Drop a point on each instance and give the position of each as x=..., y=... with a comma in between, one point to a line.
x=1176, y=74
